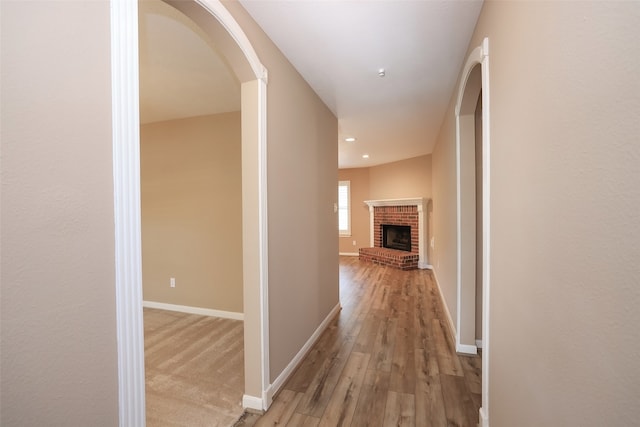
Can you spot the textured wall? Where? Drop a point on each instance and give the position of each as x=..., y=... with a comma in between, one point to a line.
x=564, y=212
x=58, y=325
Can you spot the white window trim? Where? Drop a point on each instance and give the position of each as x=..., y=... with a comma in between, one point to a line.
x=346, y=232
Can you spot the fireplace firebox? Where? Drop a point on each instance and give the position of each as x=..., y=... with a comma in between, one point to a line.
x=396, y=237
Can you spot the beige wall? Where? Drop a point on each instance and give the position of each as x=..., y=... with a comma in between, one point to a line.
x=302, y=153
x=564, y=202
x=192, y=212
x=401, y=179
x=359, y=185
x=58, y=314
x=58, y=318
x=444, y=212
x=564, y=294
x=302, y=157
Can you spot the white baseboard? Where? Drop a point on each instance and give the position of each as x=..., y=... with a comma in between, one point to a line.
x=349, y=253
x=424, y=266
x=194, y=310
x=466, y=349
x=484, y=418
x=288, y=370
x=452, y=327
x=479, y=343
x=252, y=402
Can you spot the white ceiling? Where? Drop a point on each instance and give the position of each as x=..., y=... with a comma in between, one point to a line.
x=338, y=46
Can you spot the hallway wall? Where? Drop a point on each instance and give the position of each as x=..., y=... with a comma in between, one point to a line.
x=302, y=177
x=564, y=212
x=59, y=350
x=58, y=314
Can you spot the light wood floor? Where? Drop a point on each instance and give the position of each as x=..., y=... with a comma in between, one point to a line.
x=386, y=360
x=194, y=369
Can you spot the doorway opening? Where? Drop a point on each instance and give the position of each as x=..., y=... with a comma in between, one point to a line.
x=191, y=217
x=218, y=23
x=473, y=213
x=470, y=226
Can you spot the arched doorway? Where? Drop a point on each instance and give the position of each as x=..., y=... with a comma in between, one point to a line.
x=214, y=18
x=473, y=215
x=467, y=217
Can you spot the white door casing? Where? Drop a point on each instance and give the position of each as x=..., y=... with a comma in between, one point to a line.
x=126, y=179
x=466, y=290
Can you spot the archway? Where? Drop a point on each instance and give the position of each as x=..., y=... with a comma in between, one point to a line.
x=473, y=90
x=467, y=202
x=215, y=19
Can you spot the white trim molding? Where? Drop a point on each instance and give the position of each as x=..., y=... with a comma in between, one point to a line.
x=263, y=225
x=484, y=418
x=254, y=238
x=126, y=179
x=479, y=56
x=348, y=254
x=452, y=326
x=420, y=203
x=288, y=370
x=347, y=231
x=252, y=402
x=126, y=196
x=194, y=310
x=471, y=350
x=217, y=9
x=411, y=201
x=486, y=230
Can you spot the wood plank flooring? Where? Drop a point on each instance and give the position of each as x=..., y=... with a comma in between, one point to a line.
x=386, y=360
x=194, y=369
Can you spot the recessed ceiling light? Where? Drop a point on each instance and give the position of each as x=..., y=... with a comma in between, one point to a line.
x=350, y=139
x=365, y=156
x=381, y=72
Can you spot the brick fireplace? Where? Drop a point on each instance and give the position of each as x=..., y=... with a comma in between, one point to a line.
x=408, y=214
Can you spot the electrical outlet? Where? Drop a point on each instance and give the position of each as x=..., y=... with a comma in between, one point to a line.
x=354, y=243
x=172, y=282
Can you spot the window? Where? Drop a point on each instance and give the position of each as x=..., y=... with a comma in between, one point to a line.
x=344, y=208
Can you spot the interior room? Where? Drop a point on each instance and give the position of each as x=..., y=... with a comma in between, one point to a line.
x=191, y=211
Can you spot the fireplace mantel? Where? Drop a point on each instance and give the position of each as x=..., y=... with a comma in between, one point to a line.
x=420, y=203
x=414, y=201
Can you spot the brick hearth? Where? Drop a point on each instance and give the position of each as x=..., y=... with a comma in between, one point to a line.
x=402, y=260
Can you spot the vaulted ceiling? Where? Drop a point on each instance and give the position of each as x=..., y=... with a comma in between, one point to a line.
x=340, y=48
